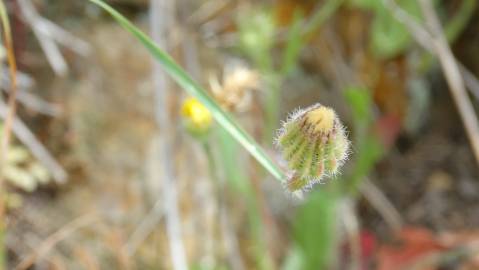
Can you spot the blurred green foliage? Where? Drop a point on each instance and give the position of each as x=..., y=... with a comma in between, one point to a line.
x=388, y=36
x=257, y=35
x=367, y=148
x=294, y=44
x=314, y=230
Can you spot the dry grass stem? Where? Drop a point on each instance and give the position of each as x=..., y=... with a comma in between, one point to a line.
x=8, y=121
x=351, y=227
x=49, y=34
x=146, y=226
x=161, y=20
x=39, y=151
x=381, y=203
x=453, y=75
x=431, y=37
x=51, y=241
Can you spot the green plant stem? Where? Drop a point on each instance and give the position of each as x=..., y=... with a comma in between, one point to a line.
x=455, y=26
x=211, y=161
x=254, y=216
x=218, y=188
x=195, y=90
x=325, y=12
x=273, y=99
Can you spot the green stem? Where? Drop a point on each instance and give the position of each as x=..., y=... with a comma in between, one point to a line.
x=324, y=13
x=455, y=26
x=211, y=162
x=252, y=204
x=272, y=108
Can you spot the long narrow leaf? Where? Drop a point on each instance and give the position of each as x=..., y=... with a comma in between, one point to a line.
x=195, y=90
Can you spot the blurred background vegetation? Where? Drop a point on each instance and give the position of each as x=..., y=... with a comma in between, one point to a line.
x=112, y=165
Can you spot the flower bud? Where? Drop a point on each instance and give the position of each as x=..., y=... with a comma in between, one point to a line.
x=314, y=144
x=197, y=117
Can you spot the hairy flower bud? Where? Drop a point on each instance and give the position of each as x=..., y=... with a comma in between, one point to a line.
x=314, y=144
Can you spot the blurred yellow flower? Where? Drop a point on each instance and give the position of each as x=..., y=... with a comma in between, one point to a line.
x=198, y=117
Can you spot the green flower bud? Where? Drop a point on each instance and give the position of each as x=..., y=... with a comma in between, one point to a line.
x=314, y=144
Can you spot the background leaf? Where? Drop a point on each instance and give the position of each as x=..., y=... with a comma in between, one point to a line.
x=315, y=229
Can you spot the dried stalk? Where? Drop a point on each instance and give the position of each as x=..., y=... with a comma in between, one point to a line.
x=49, y=35
x=351, y=227
x=381, y=203
x=37, y=149
x=161, y=20
x=145, y=227
x=453, y=75
x=50, y=242
x=10, y=114
x=431, y=38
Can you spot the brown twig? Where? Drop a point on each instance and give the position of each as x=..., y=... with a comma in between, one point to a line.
x=471, y=81
x=145, y=227
x=5, y=141
x=37, y=149
x=49, y=47
x=28, y=99
x=86, y=259
x=161, y=20
x=7, y=36
x=381, y=203
x=50, y=242
x=50, y=35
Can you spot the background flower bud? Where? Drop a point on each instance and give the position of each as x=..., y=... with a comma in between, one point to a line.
x=196, y=117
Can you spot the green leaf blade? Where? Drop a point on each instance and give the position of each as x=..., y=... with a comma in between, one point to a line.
x=193, y=89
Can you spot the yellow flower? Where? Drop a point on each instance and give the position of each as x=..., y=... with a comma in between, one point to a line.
x=198, y=117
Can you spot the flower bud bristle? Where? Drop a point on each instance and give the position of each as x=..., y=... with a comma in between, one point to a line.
x=314, y=143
